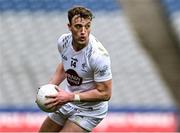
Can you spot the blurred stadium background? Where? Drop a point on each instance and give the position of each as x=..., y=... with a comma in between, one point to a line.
x=142, y=37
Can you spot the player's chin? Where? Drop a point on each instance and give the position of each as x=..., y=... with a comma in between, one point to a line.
x=82, y=42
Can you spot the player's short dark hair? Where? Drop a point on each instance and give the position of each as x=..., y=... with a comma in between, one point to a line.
x=81, y=11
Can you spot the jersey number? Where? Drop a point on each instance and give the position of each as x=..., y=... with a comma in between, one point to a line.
x=73, y=63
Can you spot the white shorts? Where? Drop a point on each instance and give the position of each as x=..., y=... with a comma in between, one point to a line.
x=85, y=118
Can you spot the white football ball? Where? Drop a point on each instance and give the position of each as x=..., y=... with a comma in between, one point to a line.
x=43, y=91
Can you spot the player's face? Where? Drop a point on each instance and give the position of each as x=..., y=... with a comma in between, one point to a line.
x=80, y=29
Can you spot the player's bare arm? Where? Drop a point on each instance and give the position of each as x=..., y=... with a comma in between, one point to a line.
x=58, y=76
x=102, y=92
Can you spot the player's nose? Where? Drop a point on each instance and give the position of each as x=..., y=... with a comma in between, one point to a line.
x=83, y=30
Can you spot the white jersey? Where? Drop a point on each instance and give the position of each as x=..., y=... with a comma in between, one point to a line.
x=85, y=67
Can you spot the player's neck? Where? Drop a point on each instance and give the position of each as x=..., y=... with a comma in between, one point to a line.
x=78, y=47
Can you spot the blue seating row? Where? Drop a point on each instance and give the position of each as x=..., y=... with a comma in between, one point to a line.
x=56, y=5
x=171, y=6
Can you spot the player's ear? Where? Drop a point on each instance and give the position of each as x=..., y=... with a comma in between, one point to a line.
x=69, y=26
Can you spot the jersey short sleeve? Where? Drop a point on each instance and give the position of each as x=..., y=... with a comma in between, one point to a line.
x=102, y=69
x=100, y=61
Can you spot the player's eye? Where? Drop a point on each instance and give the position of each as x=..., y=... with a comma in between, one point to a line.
x=78, y=26
x=87, y=26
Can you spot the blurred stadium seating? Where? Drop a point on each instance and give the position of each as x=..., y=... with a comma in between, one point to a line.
x=28, y=53
x=29, y=31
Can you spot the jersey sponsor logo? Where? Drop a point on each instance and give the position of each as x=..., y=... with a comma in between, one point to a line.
x=73, y=78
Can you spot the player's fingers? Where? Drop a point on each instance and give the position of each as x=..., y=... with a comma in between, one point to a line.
x=48, y=102
x=52, y=105
x=50, y=96
x=57, y=88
